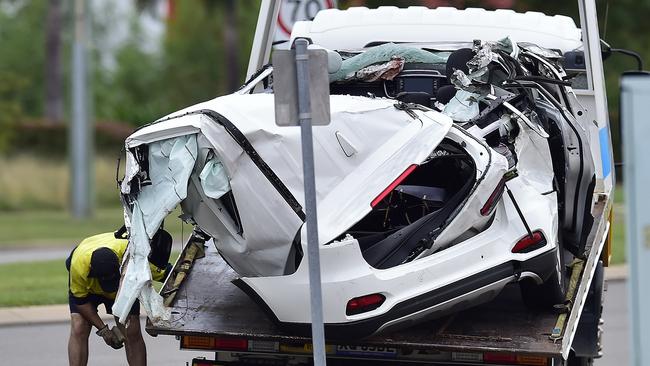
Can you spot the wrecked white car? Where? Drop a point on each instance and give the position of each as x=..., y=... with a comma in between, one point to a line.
x=449, y=170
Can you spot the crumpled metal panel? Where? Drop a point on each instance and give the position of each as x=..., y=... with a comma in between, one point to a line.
x=268, y=224
x=487, y=54
x=132, y=169
x=170, y=164
x=263, y=247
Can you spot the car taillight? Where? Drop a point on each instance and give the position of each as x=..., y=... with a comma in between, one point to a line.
x=530, y=242
x=393, y=185
x=494, y=198
x=496, y=195
x=363, y=304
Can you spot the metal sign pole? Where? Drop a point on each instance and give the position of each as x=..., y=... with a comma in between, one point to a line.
x=635, y=93
x=304, y=116
x=79, y=129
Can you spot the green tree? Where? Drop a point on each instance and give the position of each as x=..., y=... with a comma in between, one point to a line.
x=194, y=60
x=53, y=67
x=133, y=92
x=22, y=56
x=10, y=108
x=192, y=63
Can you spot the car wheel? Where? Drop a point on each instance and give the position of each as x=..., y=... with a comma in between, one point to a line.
x=552, y=291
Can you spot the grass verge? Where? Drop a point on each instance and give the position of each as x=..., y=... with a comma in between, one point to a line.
x=618, y=243
x=618, y=227
x=38, y=283
x=34, y=283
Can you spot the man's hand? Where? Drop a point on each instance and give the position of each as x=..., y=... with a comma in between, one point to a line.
x=118, y=334
x=111, y=337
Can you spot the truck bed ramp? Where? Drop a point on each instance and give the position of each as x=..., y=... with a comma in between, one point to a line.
x=208, y=305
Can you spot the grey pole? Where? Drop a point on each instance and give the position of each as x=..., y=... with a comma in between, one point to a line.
x=79, y=139
x=304, y=116
x=635, y=93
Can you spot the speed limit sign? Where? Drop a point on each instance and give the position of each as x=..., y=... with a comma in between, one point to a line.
x=292, y=11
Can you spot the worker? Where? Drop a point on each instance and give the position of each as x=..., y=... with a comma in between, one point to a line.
x=94, y=278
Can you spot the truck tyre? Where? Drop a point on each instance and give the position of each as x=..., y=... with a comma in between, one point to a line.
x=580, y=361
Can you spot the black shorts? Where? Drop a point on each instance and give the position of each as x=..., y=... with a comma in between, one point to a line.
x=96, y=300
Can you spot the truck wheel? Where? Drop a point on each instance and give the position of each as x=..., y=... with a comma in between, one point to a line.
x=580, y=361
x=552, y=291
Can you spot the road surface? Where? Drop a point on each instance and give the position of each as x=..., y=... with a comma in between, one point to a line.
x=33, y=254
x=34, y=345
x=47, y=345
x=616, y=345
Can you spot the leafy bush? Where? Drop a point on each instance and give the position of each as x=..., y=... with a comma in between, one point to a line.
x=51, y=140
x=10, y=108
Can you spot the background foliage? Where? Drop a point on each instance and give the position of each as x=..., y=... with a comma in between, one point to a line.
x=190, y=66
x=193, y=63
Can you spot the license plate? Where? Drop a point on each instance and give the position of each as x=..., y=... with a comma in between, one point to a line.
x=367, y=351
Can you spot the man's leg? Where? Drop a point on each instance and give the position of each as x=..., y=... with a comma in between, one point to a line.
x=78, y=342
x=136, y=351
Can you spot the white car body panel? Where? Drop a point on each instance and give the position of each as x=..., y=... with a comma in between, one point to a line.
x=486, y=250
x=482, y=252
x=373, y=126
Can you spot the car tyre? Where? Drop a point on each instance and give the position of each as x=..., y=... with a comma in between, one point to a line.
x=552, y=291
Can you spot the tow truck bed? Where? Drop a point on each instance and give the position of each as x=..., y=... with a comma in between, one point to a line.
x=209, y=305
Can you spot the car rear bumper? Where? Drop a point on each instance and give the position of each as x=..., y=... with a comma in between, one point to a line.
x=470, y=291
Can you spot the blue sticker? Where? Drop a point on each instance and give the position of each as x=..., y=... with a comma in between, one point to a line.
x=605, y=156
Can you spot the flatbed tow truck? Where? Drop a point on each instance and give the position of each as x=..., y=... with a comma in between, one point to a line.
x=209, y=313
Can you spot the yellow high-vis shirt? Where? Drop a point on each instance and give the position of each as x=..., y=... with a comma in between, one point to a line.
x=80, y=284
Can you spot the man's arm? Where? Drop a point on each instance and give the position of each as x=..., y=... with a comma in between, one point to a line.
x=90, y=314
x=88, y=311
x=79, y=295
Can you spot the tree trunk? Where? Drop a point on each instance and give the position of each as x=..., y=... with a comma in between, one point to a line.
x=231, y=42
x=53, y=71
